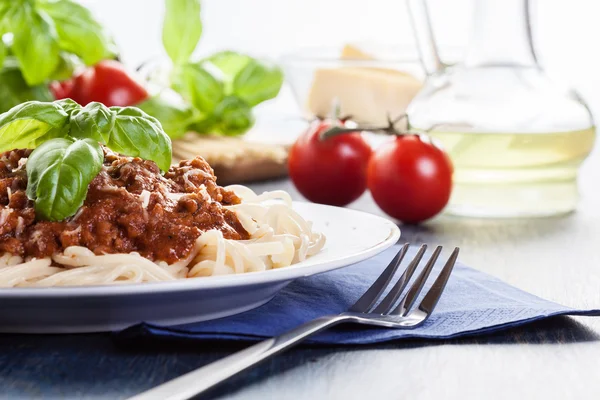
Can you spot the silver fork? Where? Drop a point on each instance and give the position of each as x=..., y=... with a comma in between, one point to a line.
x=365, y=311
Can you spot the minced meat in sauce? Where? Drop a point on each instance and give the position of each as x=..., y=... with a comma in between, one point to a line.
x=129, y=207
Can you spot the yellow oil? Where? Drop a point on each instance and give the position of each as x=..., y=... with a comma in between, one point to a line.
x=515, y=174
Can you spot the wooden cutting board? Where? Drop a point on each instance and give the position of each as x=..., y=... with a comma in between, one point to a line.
x=235, y=160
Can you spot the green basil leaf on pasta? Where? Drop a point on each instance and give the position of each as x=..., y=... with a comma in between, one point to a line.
x=29, y=124
x=126, y=130
x=174, y=114
x=137, y=134
x=69, y=106
x=35, y=43
x=14, y=90
x=94, y=121
x=182, y=29
x=59, y=172
x=257, y=82
x=78, y=32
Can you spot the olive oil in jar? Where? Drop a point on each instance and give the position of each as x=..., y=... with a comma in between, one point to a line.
x=511, y=174
x=516, y=135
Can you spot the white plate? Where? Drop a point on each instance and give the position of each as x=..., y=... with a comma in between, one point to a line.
x=352, y=236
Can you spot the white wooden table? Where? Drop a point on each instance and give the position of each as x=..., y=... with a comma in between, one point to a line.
x=556, y=258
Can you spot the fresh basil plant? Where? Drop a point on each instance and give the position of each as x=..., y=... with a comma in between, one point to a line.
x=45, y=40
x=220, y=89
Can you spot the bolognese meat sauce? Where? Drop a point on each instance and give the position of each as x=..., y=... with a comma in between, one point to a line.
x=129, y=207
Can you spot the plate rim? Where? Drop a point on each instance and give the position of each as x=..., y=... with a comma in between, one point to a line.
x=216, y=282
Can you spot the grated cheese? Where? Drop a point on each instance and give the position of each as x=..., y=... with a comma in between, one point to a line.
x=204, y=193
x=145, y=198
x=4, y=215
x=20, y=226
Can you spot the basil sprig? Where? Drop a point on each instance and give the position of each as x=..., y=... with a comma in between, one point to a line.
x=45, y=33
x=67, y=156
x=221, y=89
x=126, y=130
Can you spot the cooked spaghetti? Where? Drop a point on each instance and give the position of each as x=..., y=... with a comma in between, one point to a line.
x=137, y=225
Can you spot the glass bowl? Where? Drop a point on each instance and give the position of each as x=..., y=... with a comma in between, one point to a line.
x=365, y=81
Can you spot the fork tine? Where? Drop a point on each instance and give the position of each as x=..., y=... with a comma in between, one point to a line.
x=372, y=294
x=386, y=304
x=409, y=299
x=433, y=295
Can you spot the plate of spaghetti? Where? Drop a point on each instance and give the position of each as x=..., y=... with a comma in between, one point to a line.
x=98, y=231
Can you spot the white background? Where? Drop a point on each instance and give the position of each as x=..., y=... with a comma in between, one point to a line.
x=567, y=33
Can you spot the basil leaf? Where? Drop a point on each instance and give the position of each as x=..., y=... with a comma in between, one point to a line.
x=174, y=114
x=35, y=44
x=14, y=90
x=66, y=67
x=126, y=130
x=59, y=172
x=2, y=52
x=68, y=105
x=78, y=32
x=199, y=86
x=257, y=82
x=6, y=10
x=29, y=124
x=94, y=121
x=230, y=64
x=207, y=125
x=137, y=134
x=234, y=116
x=182, y=29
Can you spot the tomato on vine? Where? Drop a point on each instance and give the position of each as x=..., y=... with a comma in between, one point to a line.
x=329, y=170
x=410, y=178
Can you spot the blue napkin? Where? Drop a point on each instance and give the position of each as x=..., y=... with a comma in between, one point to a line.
x=473, y=303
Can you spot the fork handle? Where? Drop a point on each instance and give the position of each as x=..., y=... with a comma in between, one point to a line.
x=204, y=378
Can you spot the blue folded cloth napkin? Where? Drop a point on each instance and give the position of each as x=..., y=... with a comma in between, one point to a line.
x=473, y=303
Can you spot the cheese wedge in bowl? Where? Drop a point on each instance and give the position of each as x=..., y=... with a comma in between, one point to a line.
x=363, y=86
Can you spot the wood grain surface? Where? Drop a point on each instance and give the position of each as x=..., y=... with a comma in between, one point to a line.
x=556, y=258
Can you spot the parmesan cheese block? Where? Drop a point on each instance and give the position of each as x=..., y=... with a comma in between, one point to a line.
x=367, y=94
x=350, y=52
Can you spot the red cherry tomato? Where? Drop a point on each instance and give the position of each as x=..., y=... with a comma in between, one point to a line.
x=330, y=171
x=108, y=82
x=62, y=89
x=410, y=178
